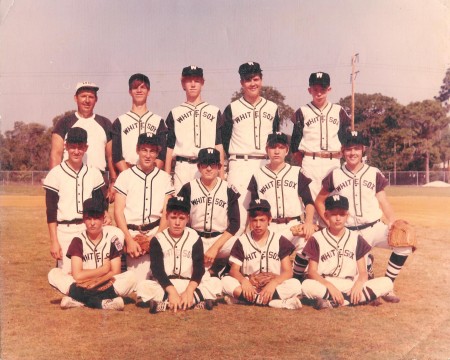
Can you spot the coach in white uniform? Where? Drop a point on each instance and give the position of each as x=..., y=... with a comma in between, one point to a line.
x=192, y=126
x=127, y=127
x=142, y=193
x=248, y=122
x=66, y=187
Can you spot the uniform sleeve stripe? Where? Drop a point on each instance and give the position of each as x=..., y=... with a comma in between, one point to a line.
x=120, y=191
x=50, y=188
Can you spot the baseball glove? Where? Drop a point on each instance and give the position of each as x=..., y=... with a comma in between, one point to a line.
x=401, y=233
x=297, y=230
x=144, y=242
x=261, y=279
x=100, y=283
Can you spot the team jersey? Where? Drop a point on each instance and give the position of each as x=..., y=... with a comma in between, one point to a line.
x=318, y=130
x=282, y=190
x=72, y=188
x=109, y=247
x=178, y=258
x=126, y=130
x=191, y=128
x=98, y=129
x=360, y=189
x=253, y=259
x=215, y=210
x=246, y=127
x=145, y=194
x=336, y=257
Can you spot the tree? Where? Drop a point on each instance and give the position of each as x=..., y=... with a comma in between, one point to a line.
x=444, y=92
x=270, y=93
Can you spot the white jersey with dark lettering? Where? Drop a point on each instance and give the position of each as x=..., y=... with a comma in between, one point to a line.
x=282, y=190
x=126, y=130
x=93, y=256
x=254, y=259
x=246, y=126
x=73, y=188
x=214, y=210
x=191, y=128
x=145, y=194
x=360, y=189
x=318, y=130
x=336, y=257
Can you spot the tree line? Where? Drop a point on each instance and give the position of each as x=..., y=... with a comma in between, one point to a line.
x=403, y=137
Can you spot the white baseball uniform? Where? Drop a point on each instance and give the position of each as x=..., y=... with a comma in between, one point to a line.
x=98, y=129
x=126, y=130
x=283, y=191
x=93, y=256
x=177, y=262
x=244, y=134
x=337, y=263
x=66, y=190
x=145, y=195
x=213, y=212
x=254, y=259
x=191, y=128
x=317, y=134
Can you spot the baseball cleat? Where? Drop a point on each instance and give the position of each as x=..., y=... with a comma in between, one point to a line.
x=391, y=297
x=113, y=304
x=157, y=306
x=208, y=304
x=376, y=302
x=67, y=302
x=291, y=304
x=324, y=304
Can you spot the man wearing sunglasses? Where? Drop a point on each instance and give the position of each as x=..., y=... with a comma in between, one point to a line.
x=214, y=210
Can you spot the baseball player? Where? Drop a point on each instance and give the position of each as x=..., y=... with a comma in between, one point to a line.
x=337, y=273
x=127, y=127
x=94, y=252
x=261, y=250
x=248, y=122
x=177, y=266
x=142, y=192
x=99, y=153
x=364, y=186
x=214, y=210
x=193, y=125
x=317, y=132
x=66, y=187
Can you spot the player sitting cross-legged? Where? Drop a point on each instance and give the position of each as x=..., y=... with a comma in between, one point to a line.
x=95, y=279
x=176, y=261
x=337, y=273
x=257, y=253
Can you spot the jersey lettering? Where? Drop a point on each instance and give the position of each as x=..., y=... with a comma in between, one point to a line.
x=368, y=184
x=243, y=116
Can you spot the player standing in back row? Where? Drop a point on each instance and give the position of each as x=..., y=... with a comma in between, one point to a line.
x=192, y=126
x=248, y=122
x=317, y=133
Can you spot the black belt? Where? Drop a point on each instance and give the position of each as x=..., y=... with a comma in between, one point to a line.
x=179, y=277
x=364, y=226
x=209, y=234
x=145, y=227
x=251, y=157
x=188, y=160
x=324, y=154
x=285, y=220
x=70, y=222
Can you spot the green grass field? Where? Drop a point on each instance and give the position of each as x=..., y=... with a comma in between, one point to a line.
x=34, y=327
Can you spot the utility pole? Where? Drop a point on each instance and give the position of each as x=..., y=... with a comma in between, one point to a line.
x=355, y=58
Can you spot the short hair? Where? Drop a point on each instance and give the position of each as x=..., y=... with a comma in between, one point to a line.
x=139, y=77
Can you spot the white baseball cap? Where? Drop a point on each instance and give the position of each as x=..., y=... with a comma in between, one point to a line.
x=86, y=85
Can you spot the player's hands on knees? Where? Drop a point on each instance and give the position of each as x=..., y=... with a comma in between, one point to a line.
x=174, y=300
x=308, y=230
x=187, y=300
x=111, y=194
x=335, y=294
x=248, y=290
x=210, y=256
x=56, y=251
x=355, y=292
x=267, y=292
x=133, y=249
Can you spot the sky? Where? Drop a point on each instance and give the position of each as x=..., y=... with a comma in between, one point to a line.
x=47, y=46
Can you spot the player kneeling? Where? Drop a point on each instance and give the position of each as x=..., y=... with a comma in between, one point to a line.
x=337, y=273
x=176, y=262
x=95, y=279
x=261, y=253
